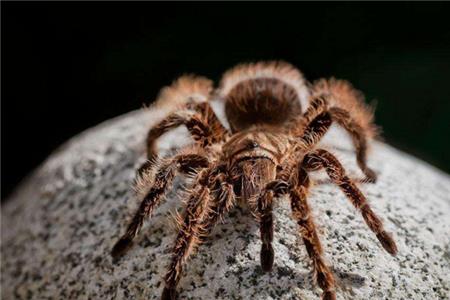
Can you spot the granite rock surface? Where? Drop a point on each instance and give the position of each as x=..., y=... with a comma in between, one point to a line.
x=59, y=226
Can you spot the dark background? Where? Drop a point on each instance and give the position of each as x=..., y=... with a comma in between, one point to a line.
x=68, y=66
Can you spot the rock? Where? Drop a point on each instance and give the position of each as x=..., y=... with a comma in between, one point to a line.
x=59, y=226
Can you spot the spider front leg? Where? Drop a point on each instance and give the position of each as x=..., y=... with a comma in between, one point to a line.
x=323, y=159
x=264, y=215
x=163, y=179
x=202, y=213
x=317, y=120
x=223, y=199
x=302, y=214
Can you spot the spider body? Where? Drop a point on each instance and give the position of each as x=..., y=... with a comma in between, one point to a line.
x=259, y=142
x=252, y=158
x=269, y=152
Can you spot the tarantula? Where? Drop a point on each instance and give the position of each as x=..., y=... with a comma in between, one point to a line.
x=268, y=152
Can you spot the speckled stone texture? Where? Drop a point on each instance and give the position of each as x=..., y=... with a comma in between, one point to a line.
x=60, y=225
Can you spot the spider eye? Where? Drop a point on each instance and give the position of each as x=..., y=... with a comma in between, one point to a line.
x=252, y=144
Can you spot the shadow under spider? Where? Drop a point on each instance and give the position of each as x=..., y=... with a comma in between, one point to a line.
x=280, y=282
x=348, y=280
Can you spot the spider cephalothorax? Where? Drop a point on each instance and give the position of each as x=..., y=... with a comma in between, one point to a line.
x=271, y=149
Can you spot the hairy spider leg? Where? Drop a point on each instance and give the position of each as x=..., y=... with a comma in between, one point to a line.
x=200, y=120
x=203, y=211
x=164, y=175
x=318, y=118
x=223, y=199
x=272, y=190
x=323, y=159
x=302, y=214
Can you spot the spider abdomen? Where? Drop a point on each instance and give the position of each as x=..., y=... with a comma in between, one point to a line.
x=261, y=101
x=262, y=93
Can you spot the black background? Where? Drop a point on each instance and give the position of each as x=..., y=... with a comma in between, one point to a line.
x=68, y=66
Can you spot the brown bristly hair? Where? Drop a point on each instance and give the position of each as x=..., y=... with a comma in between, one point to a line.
x=342, y=94
x=277, y=122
